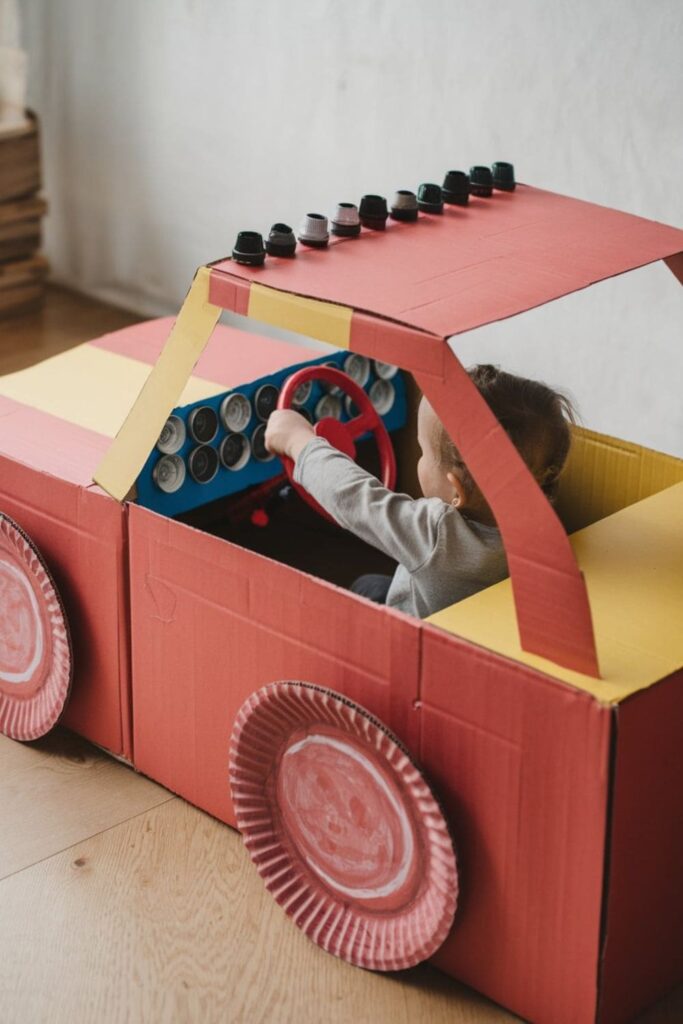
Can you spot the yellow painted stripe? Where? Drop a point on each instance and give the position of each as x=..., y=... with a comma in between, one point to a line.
x=162, y=390
x=633, y=564
x=322, y=320
x=91, y=387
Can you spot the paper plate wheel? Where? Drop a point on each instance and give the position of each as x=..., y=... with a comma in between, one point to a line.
x=342, y=826
x=35, y=647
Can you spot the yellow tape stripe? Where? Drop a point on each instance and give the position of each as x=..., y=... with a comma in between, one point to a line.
x=120, y=467
x=322, y=320
x=91, y=387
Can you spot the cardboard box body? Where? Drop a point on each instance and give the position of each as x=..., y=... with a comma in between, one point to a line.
x=566, y=810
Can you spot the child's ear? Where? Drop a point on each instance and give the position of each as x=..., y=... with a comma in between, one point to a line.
x=459, y=499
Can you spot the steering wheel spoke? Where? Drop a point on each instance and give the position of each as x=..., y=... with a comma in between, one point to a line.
x=360, y=425
x=342, y=435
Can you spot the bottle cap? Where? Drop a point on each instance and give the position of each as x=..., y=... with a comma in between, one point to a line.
x=345, y=220
x=203, y=424
x=302, y=394
x=169, y=473
x=265, y=400
x=503, y=176
x=456, y=188
x=258, y=445
x=358, y=368
x=404, y=205
x=382, y=396
x=481, y=181
x=235, y=411
x=281, y=241
x=249, y=249
x=329, y=406
x=172, y=436
x=373, y=212
x=385, y=371
x=429, y=198
x=313, y=231
x=234, y=451
x=203, y=463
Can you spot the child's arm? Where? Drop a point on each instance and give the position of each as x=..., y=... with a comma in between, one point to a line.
x=403, y=528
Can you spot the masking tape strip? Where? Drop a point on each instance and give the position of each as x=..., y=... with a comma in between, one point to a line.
x=90, y=387
x=120, y=467
x=322, y=320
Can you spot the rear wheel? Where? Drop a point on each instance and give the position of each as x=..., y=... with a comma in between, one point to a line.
x=342, y=826
x=36, y=664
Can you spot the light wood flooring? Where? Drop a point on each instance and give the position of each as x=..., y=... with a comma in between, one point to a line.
x=121, y=903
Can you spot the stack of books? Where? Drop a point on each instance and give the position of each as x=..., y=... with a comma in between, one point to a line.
x=22, y=270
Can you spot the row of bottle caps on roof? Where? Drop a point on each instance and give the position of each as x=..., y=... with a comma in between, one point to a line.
x=314, y=230
x=236, y=412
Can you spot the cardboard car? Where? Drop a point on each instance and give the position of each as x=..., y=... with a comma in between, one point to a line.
x=545, y=710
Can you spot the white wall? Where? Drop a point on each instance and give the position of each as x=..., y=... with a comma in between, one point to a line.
x=171, y=124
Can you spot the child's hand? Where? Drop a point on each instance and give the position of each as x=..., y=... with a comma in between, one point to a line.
x=287, y=432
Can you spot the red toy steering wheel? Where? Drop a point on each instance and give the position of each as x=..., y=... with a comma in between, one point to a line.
x=341, y=435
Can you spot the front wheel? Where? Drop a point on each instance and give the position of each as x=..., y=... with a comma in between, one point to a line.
x=342, y=826
x=36, y=664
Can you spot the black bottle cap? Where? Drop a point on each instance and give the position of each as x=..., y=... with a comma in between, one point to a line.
x=346, y=221
x=203, y=424
x=249, y=249
x=456, y=188
x=373, y=212
x=281, y=241
x=203, y=463
x=404, y=206
x=429, y=198
x=481, y=181
x=503, y=176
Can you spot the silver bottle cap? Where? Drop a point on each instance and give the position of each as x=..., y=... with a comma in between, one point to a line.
x=328, y=406
x=169, y=473
x=302, y=393
x=382, y=396
x=235, y=412
x=203, y=463
x=265, y=400
x=358, y=369
x=235, y=451
x=203, y=424
x=313, y=230
x=385, y=370
x=173, y=435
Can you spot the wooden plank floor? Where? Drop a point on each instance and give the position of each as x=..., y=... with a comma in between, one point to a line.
x=120, y=902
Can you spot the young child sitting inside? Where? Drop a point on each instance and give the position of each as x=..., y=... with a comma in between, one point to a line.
x=446, y=543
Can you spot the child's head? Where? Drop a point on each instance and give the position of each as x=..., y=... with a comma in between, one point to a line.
x=536, y=418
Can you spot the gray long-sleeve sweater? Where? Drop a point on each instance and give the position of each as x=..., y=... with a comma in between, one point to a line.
x=443, y=557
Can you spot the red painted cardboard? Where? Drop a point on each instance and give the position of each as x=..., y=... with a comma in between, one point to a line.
x=82, y=537
x=213, y=622
x=643, y=948
x=473, y=265
x=231, y=357
x=522, y=765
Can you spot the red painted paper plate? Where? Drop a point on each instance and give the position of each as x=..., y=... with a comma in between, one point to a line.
x=342, y=826
x=35, y=649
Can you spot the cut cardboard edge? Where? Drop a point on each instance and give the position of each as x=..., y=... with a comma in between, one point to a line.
x=125, y=458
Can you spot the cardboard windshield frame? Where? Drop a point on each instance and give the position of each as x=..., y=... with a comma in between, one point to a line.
x=551, y=601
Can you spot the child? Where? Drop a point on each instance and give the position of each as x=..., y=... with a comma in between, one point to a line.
x=446, y=543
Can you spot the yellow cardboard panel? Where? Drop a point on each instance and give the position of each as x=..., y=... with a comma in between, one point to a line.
x=322, y=320
x=161, y=392
x=91, y=387
x=605, y=474
x=633, y=564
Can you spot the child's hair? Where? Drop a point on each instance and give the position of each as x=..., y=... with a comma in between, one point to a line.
x=536, y=418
